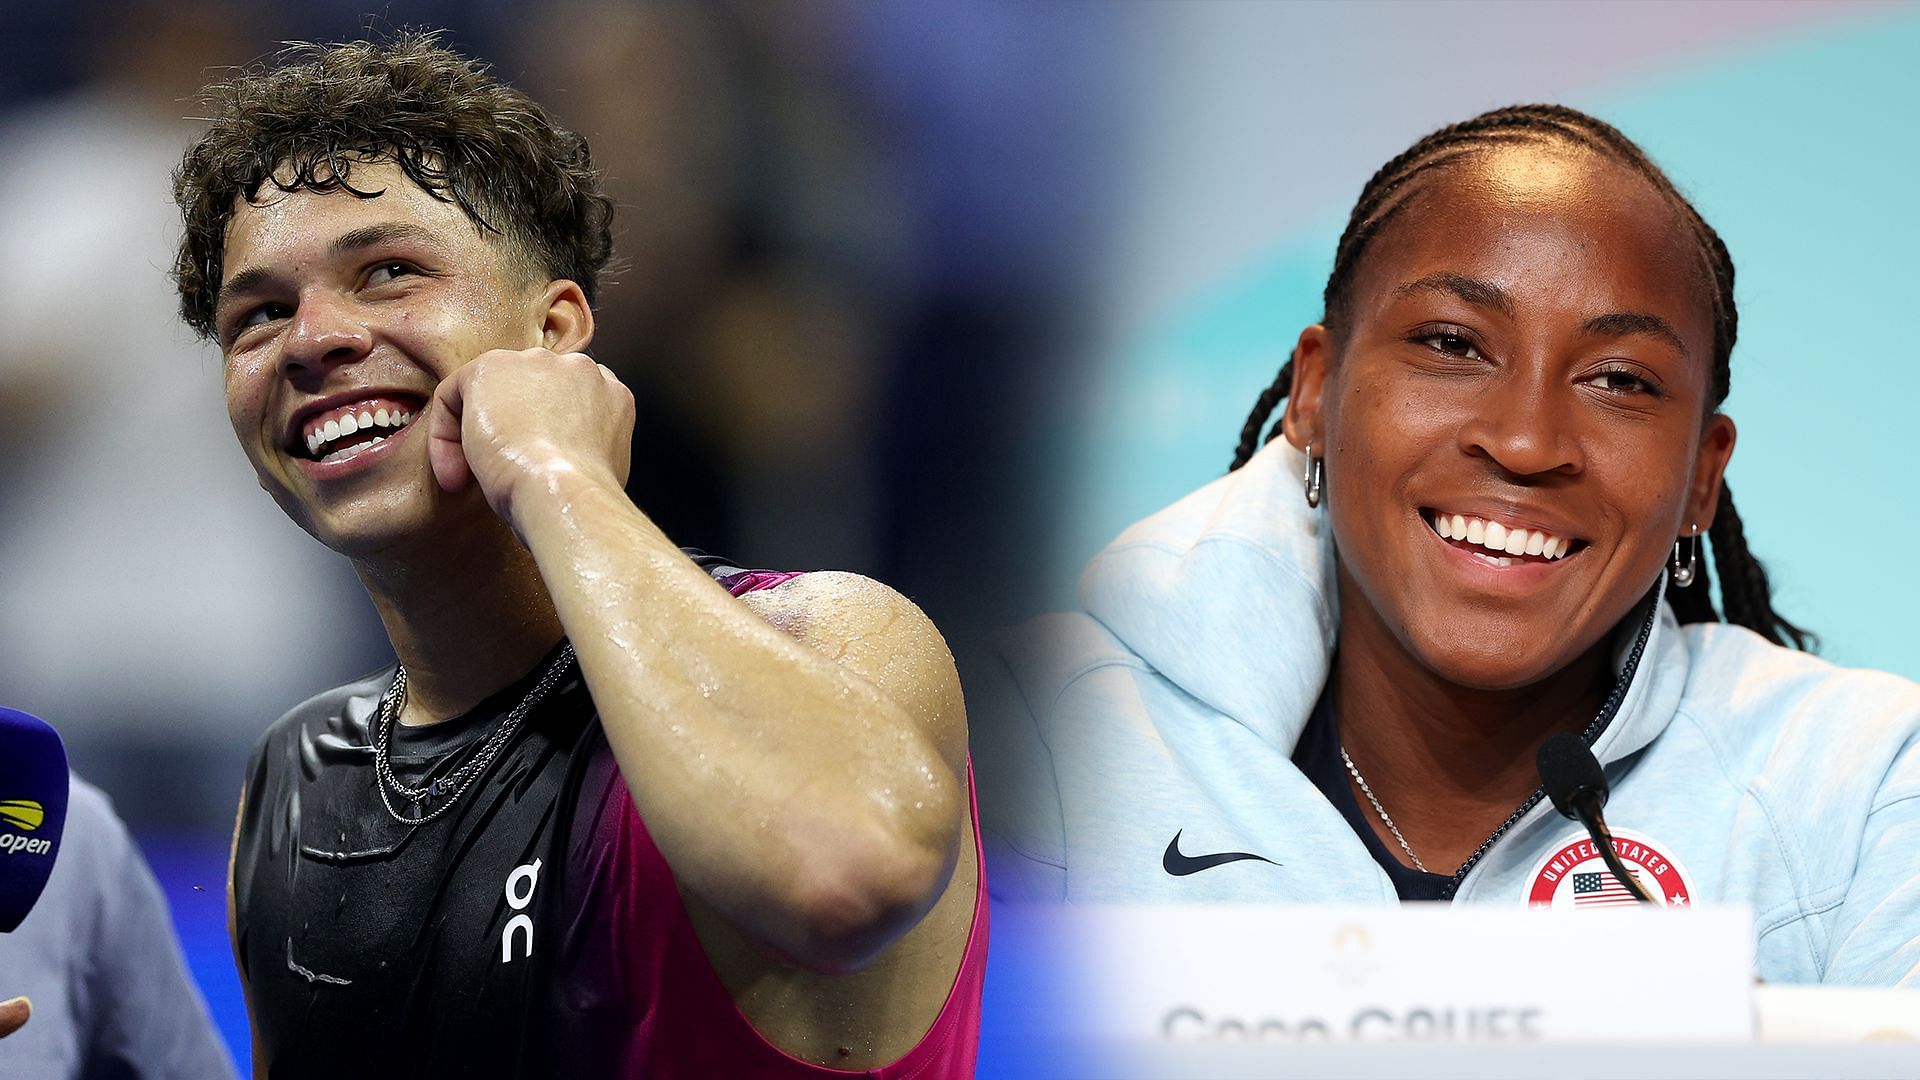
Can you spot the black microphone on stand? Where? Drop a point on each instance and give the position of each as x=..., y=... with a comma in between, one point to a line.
x=1573, y=779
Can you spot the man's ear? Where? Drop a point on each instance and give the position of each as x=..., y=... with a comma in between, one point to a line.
x=1302, y=421
x=1709, y=468
x=566, y=319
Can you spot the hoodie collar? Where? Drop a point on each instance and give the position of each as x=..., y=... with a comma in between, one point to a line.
x=1229, y=594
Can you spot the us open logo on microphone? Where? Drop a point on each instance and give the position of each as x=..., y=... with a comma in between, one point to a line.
x=1575, y=876
x=26, y=816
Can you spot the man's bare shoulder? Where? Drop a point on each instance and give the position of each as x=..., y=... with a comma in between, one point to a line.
x=873, y=630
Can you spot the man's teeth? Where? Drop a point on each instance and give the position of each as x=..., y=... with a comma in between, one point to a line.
x=1496, y=537
x=350, y=422
x=355, y=450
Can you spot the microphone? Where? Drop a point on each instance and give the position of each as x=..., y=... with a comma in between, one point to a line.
x=33, y=811
x=1573, y=779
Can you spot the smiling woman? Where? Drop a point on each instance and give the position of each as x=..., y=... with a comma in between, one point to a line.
x=1482, y=529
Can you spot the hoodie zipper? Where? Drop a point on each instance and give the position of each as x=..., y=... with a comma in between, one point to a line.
x=1599, y=724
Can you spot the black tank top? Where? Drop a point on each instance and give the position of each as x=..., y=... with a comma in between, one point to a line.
x=376, y=948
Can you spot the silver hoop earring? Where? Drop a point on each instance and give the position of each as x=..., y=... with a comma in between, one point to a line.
x=1683, y=573
x=1316, y=477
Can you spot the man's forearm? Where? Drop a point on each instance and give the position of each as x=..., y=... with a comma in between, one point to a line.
x=792, y=794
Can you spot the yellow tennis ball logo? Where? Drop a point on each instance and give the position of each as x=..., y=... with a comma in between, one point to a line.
x=23, y=814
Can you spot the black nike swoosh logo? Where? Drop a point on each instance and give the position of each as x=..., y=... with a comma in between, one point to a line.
x=1181, y=865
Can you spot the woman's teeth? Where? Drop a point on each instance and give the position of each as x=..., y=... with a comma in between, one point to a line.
x=1499, y=539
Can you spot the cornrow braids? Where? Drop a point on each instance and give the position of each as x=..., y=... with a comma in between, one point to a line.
x=1270, y=397
x=1744, y=589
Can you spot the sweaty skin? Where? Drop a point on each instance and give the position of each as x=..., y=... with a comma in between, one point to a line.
x=1529, y=340
x=806, y=787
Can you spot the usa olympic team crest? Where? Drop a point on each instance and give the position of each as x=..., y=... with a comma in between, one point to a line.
x=1574, y=875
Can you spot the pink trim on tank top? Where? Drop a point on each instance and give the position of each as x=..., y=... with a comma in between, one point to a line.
x=754, y=580
x=951, y=1045
x=931, y=1052
x=705, y=1016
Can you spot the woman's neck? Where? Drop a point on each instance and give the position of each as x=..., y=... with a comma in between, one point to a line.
x=1448, y=762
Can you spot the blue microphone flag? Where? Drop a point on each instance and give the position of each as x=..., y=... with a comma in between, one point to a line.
x=33, y=811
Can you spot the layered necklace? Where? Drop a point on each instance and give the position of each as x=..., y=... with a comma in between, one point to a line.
x=462, y=778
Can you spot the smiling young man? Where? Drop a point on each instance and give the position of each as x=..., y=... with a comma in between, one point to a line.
x=617, y=810
x=1326, y=676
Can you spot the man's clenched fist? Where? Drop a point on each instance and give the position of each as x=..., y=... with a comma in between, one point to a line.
x=513, y=418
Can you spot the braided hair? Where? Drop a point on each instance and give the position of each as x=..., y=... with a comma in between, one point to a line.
x=1744, y=589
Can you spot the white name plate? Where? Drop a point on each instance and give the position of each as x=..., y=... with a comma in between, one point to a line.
x=1407, y=973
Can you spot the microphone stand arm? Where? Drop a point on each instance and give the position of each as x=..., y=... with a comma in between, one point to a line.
x=1586, y=804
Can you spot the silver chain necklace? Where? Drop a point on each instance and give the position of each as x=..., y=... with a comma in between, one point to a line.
x=1382, y=811
x=463, y=777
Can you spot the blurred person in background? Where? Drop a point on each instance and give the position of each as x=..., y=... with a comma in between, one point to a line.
x=156, y=604
x=98, y=959
x=456, y=858
x=763, y=290
x=850, y=232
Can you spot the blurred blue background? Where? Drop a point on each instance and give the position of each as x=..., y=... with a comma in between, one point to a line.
x=947, y=293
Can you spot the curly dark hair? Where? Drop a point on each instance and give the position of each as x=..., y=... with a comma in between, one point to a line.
x=453, y=128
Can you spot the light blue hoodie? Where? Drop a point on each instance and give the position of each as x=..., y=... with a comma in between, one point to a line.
x=1740, y=771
